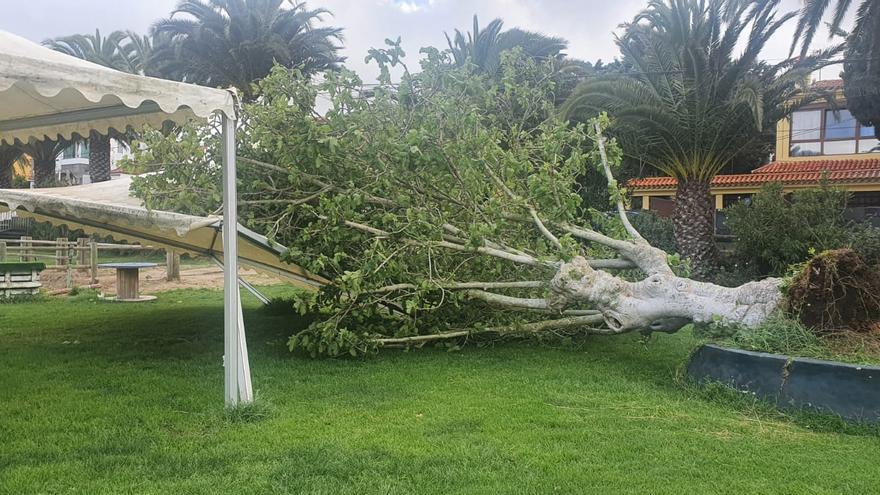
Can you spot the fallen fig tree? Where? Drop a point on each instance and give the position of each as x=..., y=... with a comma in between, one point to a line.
x=443, y=207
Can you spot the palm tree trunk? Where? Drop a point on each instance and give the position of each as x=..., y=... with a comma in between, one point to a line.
x=693, y=222
x=8, y=156
x=99, y=157
x=44, y=170
x=5, y=175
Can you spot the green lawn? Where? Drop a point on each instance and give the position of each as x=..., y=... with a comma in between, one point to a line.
x=106, y=398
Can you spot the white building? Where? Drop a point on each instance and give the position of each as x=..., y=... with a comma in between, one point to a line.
x=72, y=164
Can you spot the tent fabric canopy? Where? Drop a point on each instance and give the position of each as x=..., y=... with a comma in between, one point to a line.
x=108, y=208
x=44, y=93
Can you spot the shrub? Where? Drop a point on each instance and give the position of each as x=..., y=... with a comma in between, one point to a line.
x=655, y=229
x=865, y=240
x=776, y=231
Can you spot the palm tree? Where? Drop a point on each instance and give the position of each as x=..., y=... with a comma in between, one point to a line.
x=8, y=155
x=95, y=48
x=483, y=47
x=236, y=42
x=44, y=154
x=120, y=50
x=861, y=69
x=690, y=105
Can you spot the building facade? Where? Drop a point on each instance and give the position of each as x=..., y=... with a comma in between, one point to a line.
x=72, y=164
x=817, y=141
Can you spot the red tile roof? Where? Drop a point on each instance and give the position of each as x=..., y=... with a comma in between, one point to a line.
x=818, y=165
x=789, y=173
x=828, y=84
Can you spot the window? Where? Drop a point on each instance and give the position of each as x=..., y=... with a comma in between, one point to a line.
x=806, y=149
x=841, y=126
x=840, y=147
x=806, y=125
x=826, y=132
x=69, y=152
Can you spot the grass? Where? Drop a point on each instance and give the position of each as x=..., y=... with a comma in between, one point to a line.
x=784, y=335
x=104, y=398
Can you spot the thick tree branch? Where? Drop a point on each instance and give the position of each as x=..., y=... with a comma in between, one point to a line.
x=532, y=304
x=581, y=322
x=621, y=210
x=526, y=284
x=498, y=253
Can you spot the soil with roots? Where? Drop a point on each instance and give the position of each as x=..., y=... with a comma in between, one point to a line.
x=836, y=291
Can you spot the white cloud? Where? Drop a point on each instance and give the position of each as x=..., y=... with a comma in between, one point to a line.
x=412, y=6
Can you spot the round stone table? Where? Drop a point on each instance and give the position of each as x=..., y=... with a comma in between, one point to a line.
x=128, y=282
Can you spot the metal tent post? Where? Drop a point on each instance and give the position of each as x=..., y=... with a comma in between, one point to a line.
x=235, y=358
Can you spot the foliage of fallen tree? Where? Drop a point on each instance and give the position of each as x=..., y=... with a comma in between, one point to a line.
x=443, y=207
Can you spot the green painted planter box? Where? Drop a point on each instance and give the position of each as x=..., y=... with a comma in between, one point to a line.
x=18, y=279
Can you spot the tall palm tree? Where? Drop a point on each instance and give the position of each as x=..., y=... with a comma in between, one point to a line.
x=861, y=69
x=8, y=155
x=121, y=51
x=691, y=105
x=236, y=42
x=483, y=47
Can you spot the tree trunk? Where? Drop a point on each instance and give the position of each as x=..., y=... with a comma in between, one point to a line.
x=99, y=157
x=663, y=302
x=693, y=221
x=44, y=170
x=5, y=175
x=8, y=156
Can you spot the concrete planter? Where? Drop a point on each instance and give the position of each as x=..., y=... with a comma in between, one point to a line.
x=17, y=279
x=850, y=391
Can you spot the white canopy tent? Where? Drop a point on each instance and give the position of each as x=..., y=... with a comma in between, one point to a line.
x=109, y=208
x=46, y=94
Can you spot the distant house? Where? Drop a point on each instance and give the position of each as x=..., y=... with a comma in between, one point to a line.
x=72, y=164
x=23, y=167
x=816, y=140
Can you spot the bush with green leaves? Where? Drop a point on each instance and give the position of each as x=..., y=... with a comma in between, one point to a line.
x=777, y=230
x=656, y=229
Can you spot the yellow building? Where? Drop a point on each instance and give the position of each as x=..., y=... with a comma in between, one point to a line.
x=815, y=141
x=23, y=167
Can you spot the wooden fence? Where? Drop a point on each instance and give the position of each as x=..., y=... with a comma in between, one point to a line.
x=81, y=254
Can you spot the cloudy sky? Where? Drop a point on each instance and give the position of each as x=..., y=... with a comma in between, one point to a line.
x=587, y=24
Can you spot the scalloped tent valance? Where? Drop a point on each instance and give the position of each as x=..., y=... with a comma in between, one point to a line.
x=44, y=93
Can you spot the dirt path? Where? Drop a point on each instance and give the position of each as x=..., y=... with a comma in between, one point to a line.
x=153, y=279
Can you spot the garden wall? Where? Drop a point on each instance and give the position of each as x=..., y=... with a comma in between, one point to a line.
x=850, y=391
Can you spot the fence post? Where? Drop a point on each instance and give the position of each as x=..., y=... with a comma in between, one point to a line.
x=2, y=251
x=82, y=254
x=172, y=265
x=60, y=251
x=93, y=261
x=25, y=251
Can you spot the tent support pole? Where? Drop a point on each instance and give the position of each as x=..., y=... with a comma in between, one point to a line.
x=235, y=358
